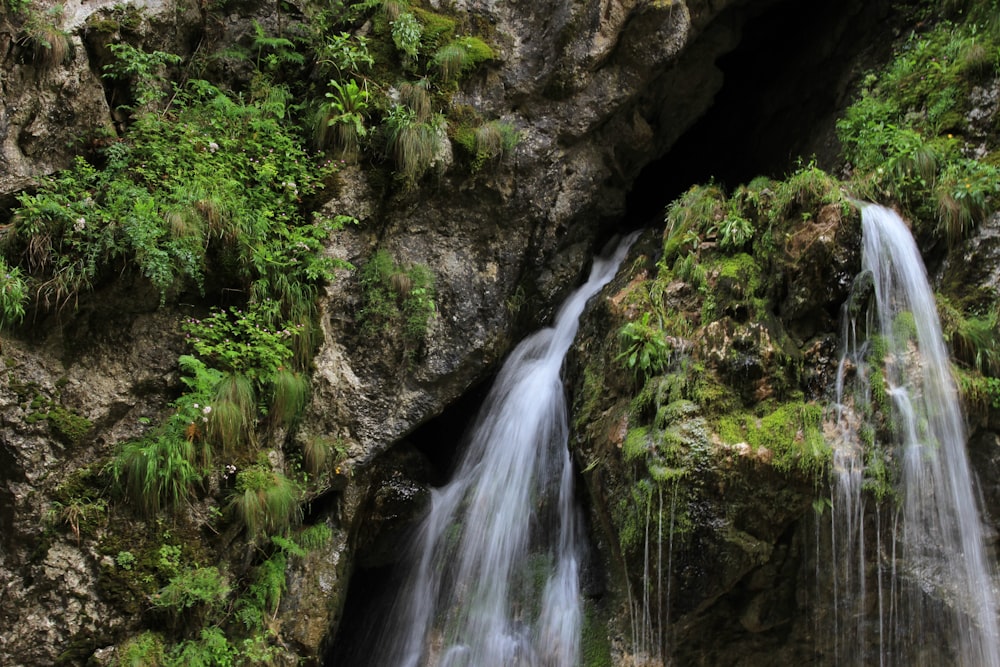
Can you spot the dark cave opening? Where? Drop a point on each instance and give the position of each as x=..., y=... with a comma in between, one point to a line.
x=785, y=83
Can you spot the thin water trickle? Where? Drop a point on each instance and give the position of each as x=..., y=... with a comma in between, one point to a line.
x=940, y=582
x=494, y=579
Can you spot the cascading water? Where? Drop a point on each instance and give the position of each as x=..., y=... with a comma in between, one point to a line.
x=494, y=567
x=930, y=598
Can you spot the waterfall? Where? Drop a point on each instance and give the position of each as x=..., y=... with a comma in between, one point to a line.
x=494, y=567
x=934, y=601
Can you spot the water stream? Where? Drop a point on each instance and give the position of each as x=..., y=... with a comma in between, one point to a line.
x=912, y=583
x=493, y=576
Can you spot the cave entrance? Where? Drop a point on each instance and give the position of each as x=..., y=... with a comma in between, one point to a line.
x=784, y=85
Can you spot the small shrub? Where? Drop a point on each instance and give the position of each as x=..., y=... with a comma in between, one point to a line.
x=343, y=119
x=451, y=60
x=315, y=537
x=125, y=560
x=695, y=213
x=415, y=97
x=50, y=46
x=80, y=514
x=265, y=502
x=211, y=649
x=396, y=297
x=406, y=32
x=735, y=232
x=317, y=453
x=13, y=294
x=203, y=586
x=144, y=71
x=645, y=349
x=461, y=56
x=157, y=473
x=413, y=144
x=964, y=193
x=348, y=54
x=490, y=141
x=243, y=342
x=232, y=418
x=392, y=9
x=290, y=392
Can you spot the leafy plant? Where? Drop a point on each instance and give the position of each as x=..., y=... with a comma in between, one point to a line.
x=143, y=650
x=735, y=232
x=216, y=178
x=695, y=212
x=348, y=54
x=17, y=6
x=125, y=560
x=242, y=341
x=274, y=52
x=201, y=589
x=901, y=134
x=964, y=191
x=344, y=117
x=645, y=351
x=13, y=294
x=406, y=32
x=211, y=649
x=144, y=71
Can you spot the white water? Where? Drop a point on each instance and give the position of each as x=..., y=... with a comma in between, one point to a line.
x=934, y=586
x=494, y=579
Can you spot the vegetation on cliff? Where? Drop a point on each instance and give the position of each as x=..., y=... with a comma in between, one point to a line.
x=208, y=192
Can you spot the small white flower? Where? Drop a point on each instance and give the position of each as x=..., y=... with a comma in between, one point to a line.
x=206, y=409
x=80, y=224
x=212, y=147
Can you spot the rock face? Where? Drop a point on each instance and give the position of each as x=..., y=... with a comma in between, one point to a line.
x=702, y=465
x=597, y=90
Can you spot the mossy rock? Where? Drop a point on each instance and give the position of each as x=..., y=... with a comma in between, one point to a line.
x=438, y=29
x=70, y=427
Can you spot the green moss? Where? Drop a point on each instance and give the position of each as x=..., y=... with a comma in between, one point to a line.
x=636, y=444
x=70, y=427
x=595, y=645
x=713, y=396
x=438, y=29
x=590, y=398
x=741, y=273
x=791, y=432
